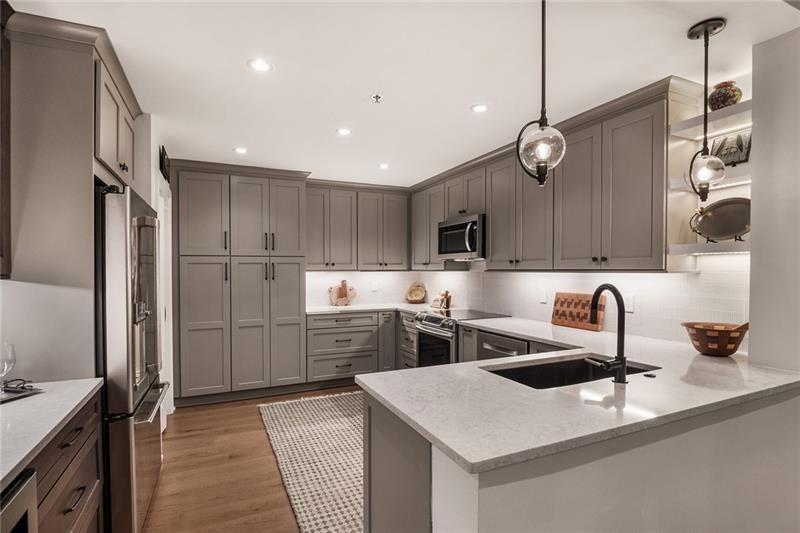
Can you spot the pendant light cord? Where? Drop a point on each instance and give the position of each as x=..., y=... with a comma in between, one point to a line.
x=543, y=117
x=705, y=94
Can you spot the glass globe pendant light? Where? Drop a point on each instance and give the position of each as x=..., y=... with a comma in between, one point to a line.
x=705, y=169
x=540, y=147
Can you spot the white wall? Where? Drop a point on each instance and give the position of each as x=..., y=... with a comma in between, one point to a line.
x=660, y=301
x=775, y=289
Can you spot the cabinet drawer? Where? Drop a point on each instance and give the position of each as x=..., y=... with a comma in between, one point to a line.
x=342, y=340
x=76, y=493
x=408, y=339
x=341, y=320
x=407, y=320
x=54, y=458
x=407, y=360
x=325, y=367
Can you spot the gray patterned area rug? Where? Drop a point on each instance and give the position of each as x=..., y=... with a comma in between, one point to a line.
x=318, y=442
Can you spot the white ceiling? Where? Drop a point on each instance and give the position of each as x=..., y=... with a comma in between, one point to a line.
x=431, y=61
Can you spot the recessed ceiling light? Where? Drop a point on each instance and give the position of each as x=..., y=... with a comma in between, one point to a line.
x=344, y=132
x=480, y=108
x=241, y=150
x=384, y=166
x=259, y=65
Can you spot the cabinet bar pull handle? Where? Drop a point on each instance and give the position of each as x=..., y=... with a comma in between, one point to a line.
x=77, y=431
x=345, y=365
x=344, y=340
x=594, y=259
x=225, y=240
x=266, y=271
x=226, y=271
x=266, y=240
x=273, y=271
x=604, y=259
x=342, y=319
x=273, y=242
x=81, y=492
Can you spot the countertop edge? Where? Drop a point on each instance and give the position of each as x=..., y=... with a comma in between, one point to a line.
x=585, y=440
x=10, y=475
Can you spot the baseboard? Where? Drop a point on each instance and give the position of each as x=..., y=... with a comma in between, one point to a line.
x=261, y=393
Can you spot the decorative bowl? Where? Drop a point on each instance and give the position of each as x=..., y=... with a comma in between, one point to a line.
x=716, y=338
x=724, y=94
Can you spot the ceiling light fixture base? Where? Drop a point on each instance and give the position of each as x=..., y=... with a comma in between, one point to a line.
x=713, y=26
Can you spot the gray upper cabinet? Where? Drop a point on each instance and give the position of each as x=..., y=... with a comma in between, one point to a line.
x=578, y=186
x=250, y=323
x=634, y=189
x=465, y=194
x=114, y=132
x=534, y=212
x=249, y=216
x=370, y=231
x=318, y=228
x=287, y=320
x=203, y=211
x=287, y=217
x=427, y=210
x=382, y=231
x=205, y=331
x=501, y=190
x=610, y=193
x=343, y=230
x=395, y=232
x=331, y=229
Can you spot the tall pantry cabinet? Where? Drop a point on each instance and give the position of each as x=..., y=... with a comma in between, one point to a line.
x=241, y=239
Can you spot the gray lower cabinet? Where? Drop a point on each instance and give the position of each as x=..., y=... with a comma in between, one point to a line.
x=387, y=340
x=427, y=210
x=610, y=194
x=342, y=345
x=342, y=340
x=465, y=194
x=287, y=320
x=204, y=213
x=250, y=323
x=331, y=229
x=467, y=344
x=382, y=231
x=205, y=325
x=578, y=201
x=250, y=216
x=328, y=367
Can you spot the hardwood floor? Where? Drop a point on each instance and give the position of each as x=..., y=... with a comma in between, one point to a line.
x=219, y=472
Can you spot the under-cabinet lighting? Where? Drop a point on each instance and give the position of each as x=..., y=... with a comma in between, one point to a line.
x=259, y=65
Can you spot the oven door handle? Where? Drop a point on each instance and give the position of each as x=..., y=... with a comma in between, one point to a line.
x=156, y=406
x=436, y=333
x=466, y=236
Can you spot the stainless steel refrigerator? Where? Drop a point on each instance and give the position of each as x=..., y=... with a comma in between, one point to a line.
x=127, y=352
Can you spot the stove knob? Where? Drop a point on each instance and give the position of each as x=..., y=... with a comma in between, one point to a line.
x=448, y=323
x=419, y=316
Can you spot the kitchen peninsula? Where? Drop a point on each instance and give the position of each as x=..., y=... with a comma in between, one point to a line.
x=475, y=451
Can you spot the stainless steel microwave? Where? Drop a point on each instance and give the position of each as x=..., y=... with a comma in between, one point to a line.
x=462, y=238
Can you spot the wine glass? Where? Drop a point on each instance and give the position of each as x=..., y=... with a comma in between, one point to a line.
x=8, y=358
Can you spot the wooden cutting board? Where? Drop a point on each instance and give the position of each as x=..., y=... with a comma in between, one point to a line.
x=572, y=309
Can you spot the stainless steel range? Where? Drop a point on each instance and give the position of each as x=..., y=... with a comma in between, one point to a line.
x=437, y=334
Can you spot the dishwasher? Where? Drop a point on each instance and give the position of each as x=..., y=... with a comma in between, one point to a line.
x=492, y=346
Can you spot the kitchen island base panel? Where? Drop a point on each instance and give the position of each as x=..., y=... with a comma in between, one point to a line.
x=735, y=469
x=397, y=473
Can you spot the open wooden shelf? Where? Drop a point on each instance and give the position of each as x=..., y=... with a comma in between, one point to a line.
x=720, y=121
x=710, y=248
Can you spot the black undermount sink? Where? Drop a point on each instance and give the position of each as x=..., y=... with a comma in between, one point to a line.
x=567, y=372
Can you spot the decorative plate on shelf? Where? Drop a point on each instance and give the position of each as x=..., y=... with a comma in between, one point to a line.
x=723, y=220
x=416, y=293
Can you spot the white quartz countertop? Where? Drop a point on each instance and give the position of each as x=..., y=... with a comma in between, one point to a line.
x=28, y=424
x=484, y=421
x=355, y=308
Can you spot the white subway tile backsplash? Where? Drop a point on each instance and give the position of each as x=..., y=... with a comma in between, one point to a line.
x=718, y=293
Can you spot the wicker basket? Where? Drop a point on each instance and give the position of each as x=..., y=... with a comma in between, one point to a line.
x=716, y=339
